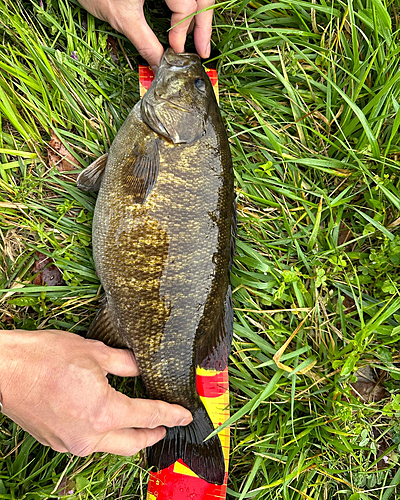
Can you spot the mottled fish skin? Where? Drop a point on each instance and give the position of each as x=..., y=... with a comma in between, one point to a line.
x=164, y=263
x=164, y=260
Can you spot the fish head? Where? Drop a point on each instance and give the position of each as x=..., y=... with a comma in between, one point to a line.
x=178, y=102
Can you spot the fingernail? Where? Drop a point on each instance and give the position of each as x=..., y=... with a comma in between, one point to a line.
x=208, y=50
x=186, y=421
x=154, y=68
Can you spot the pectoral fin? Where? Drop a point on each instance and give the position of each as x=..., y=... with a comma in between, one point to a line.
x=90, y=178
x=141, y=166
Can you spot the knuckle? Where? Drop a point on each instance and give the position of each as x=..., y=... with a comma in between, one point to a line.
x=42, y=440
x=102, y=351
x=155, y=417
x=189, y=7
x=204, y=32
x=145, y=50
x=155, y=436
x=121, y=21
x=96, y=344
x=81, y=451
x=103, y=422
x=58, y=448
x=183, y=9
x=80, y=447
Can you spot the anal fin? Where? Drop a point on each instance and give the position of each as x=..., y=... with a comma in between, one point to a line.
x=104, y=327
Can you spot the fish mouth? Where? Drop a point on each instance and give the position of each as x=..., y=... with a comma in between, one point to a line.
x=178, y=60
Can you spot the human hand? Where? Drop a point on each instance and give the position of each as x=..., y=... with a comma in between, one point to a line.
x=54, y=385
x=127, y=17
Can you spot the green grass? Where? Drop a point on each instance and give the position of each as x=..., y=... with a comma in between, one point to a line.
x=310, y=93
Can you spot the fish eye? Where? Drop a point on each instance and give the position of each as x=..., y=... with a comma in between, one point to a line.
x=200, y=84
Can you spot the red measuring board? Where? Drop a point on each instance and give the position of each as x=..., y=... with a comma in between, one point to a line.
x=146, y=77
x=178, y=482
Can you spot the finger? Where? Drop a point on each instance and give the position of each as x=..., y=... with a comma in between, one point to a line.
x=119, y=362
x=40, y=439
x=191, y=26
x=177, y=35
x=144, y=413
x=143, y=38
x=128, y=442
x=203, y=28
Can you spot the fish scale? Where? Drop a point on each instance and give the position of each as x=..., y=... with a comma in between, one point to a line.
x=188, y=266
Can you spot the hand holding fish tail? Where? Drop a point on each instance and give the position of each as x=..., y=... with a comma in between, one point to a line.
x=127, y=16
x=53, y=384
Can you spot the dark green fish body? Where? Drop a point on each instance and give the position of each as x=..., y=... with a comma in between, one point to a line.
x=162, y=244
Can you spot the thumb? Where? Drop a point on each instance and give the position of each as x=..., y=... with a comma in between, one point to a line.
x=119, y=362
x=145, y=41
x=145, y=413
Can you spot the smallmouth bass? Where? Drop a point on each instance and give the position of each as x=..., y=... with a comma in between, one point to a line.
x=163, y=240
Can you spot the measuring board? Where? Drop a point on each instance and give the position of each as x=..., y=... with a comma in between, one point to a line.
x=178, y=482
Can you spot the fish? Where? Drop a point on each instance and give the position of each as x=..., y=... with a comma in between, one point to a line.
x=163, y=239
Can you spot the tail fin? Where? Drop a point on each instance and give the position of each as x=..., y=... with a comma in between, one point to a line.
x=204, y=458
